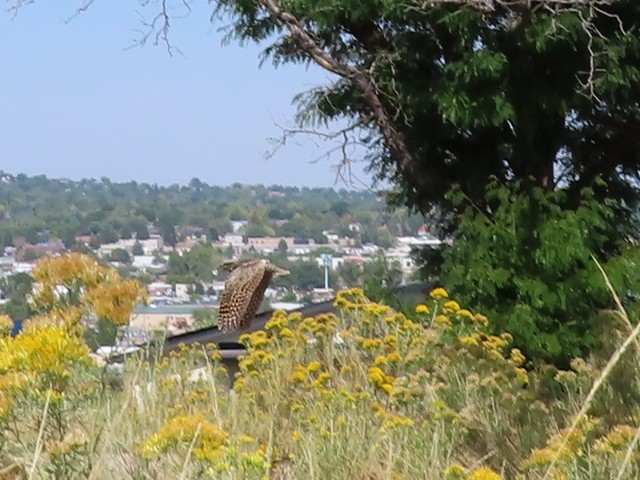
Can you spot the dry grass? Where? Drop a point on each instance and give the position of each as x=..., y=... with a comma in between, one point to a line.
x=368, y=394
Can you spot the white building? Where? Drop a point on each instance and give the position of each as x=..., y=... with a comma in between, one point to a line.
x=153, y=244
x=237, y=225
x=182, y=292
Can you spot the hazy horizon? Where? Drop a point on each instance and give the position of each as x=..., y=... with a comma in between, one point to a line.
x=77, y=104
x=337, y=187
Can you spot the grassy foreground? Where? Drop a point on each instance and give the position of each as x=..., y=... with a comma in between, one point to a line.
x=366, y=394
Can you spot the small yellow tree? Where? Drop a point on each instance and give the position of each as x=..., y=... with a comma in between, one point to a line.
x=46, y=373
x=74, y=285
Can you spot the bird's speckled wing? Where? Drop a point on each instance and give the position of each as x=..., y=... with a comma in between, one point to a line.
x=238, y=292
x=256, y=300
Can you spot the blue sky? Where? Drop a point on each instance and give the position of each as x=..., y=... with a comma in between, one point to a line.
x=74, y=103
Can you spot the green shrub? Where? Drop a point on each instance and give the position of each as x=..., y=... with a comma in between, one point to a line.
x=528, y=264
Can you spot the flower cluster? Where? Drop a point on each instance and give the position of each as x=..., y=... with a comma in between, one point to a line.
x=45, y=355
x=77, y=282
x=184, y=430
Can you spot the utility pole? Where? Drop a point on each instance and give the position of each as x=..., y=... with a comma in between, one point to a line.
x=326, y=261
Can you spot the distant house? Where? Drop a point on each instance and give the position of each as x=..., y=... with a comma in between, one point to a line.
x=182, y=292
x=7, y=264
x=423, y=230
x=44, y=248
x=22, y=267
x=332, y=237
x=192, y=233
x=337, y=261
x=425, y=239
x=147, y=263
x=172, y=318
x=402, y=257
x=276, y=194
x=186, y=246
x=153, y=244
x=160, y=289
x=237, y=225
x=269, y=244
x=232, y=239
x=83, y=239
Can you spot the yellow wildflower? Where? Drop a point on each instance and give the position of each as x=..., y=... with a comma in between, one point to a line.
x=480, y=319
x=394, y=357
x=484, y=474
x=390, y=340
x=451, y=306
x=380, y=360
x=182, y=430
x=48, y=350
x=321, y=380
x=276, y=322
x=439, y=293
x=517, y=357
x=422, y=309
x=522, y=375
x=286, y=333
x=371, y=343
x=410, y=325
x=442, y=321
x=469, y=340
x=618, y=439
x=398, y=421
x=255, y=461
x=314, y=366
x=376, y=376
x=116, y=300
x=299, y=374
x=387, y=387
x=455, y=472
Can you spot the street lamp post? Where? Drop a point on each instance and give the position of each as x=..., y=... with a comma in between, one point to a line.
x=326, y=261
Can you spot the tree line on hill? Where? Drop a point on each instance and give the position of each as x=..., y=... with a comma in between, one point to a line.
x=39, y=208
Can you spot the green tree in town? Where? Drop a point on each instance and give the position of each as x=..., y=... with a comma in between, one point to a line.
x=195, y=266
x=120, y=255
x=204, y=317
x=282, y=248
x=16, y=289
x=137, y=249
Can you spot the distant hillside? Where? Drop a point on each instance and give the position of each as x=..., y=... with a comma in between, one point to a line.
x=37, y=209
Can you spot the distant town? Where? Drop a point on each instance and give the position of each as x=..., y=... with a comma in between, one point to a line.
x=179, y=265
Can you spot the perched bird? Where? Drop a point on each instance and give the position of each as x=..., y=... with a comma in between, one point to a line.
x=243, y=291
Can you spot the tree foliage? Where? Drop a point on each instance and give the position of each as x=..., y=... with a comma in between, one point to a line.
x=16, y=289
x=194, y=266
x=529, y=264
x=540, y=96
x=79, y=285
x=455, y=92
